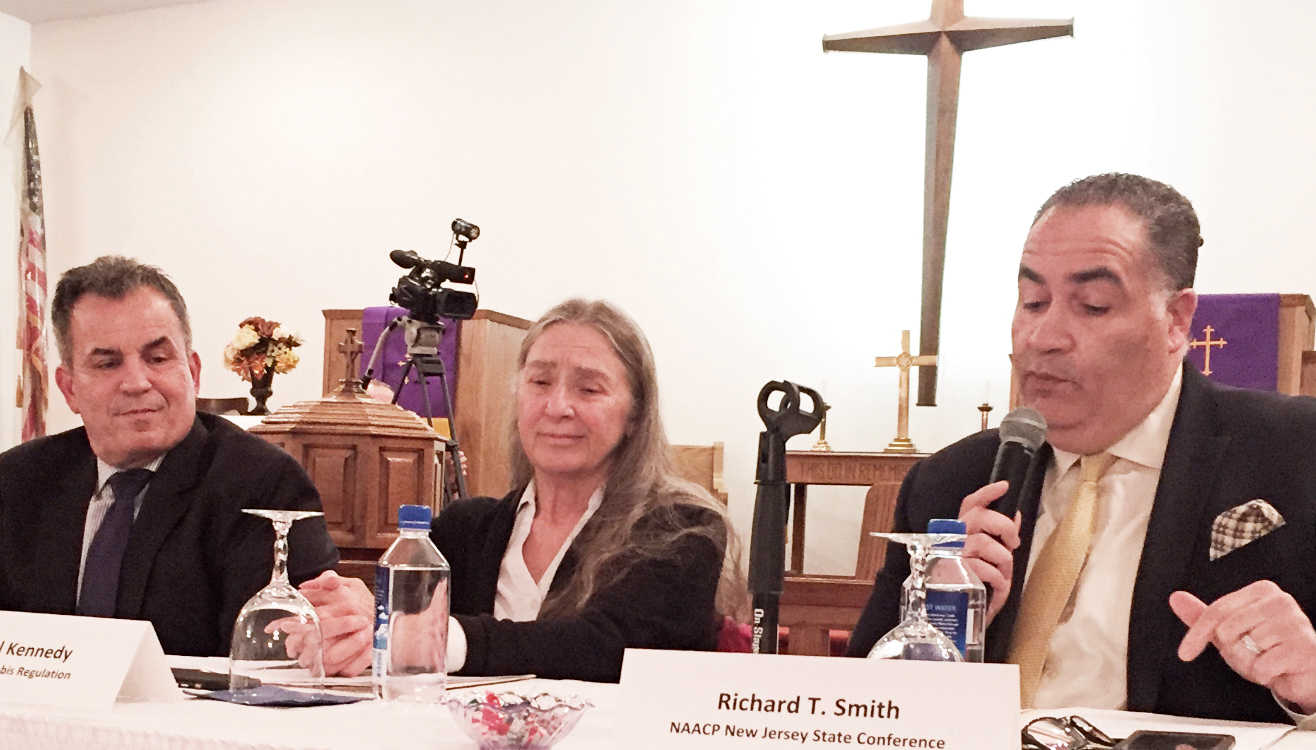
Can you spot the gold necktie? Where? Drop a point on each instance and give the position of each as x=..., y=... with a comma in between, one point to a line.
x=1051, y=584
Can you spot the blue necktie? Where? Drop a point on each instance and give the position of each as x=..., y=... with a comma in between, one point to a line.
x=100, y=575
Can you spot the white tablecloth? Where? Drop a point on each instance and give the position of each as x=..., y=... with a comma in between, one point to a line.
x=197, y=724
x=212, y=725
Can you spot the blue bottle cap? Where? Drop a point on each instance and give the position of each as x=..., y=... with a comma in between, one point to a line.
x=947, y=526
x=414, y=517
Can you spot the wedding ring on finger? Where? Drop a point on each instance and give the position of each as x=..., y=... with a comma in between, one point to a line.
x=1250, y=644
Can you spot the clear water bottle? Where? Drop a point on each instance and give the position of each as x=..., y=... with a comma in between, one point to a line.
x=957, y=599
x=411, y=614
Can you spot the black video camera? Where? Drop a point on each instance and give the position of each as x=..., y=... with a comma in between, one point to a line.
x=421, y=291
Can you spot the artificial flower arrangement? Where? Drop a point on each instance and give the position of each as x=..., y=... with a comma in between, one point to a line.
x=261, y=345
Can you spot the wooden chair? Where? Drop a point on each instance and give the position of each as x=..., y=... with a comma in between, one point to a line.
x=702, y=464
x=814, y=606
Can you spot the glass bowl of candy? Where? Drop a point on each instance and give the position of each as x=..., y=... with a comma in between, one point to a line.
x=502, y=721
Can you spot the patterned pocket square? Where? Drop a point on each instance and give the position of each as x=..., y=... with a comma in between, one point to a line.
x=1242, y=525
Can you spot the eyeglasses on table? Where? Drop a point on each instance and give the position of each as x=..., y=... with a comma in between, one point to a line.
x=1069, y=733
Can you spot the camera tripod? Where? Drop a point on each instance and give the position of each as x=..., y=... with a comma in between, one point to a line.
x=423, y=355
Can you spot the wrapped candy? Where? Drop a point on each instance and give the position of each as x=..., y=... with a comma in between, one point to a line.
x=499, y=721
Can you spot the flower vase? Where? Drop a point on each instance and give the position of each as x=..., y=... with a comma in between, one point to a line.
x=261, y=391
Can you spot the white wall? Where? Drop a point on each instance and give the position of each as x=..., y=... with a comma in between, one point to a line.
x=754, y=203
x=15, y=52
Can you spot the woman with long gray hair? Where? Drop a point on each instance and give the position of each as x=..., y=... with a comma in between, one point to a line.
x=600, y=546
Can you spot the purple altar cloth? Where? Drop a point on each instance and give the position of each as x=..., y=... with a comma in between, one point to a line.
x=1243, y=340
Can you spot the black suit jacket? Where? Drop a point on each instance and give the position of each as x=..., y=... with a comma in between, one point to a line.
x=193, y=558
x=665, y=603
x=1227, y=446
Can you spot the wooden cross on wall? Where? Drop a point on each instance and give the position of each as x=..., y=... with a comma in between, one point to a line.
x=943, y=38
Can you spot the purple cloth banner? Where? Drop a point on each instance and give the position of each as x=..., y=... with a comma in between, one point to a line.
x=389, y=370
x=1235, y=339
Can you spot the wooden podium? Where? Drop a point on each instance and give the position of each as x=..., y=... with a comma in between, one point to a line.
x=487, y=349
x=365, y=458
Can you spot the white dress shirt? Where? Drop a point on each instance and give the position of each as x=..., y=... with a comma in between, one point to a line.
x=100, y=505
x=1088, y=662
x=520, y=596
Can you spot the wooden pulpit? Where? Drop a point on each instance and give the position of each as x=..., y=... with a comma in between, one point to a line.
x=366, y=458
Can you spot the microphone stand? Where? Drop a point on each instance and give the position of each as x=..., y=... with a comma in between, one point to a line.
x=767, y=550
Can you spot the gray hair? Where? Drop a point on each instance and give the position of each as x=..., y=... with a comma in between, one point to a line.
x=113, y=277
x=1171, y=223
x=642, y=480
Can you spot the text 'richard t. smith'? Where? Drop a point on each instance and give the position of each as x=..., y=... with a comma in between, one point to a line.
x=871, y=709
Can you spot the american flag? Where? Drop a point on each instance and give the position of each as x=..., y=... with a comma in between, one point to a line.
x=32, y=382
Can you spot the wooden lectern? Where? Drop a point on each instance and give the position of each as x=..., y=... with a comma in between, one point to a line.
x=366, y=459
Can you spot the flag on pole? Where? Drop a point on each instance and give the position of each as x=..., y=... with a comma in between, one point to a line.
x=32, y=375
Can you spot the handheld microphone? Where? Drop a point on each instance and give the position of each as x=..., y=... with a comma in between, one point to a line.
x=1022, y=432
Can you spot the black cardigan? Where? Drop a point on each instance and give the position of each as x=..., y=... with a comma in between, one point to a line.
x=663, y=603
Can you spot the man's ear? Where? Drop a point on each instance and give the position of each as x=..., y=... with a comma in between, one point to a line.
x=194, y=364
x=64, y=379
x=1180, y=308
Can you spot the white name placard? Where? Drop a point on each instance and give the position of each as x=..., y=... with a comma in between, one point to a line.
x=684, y=699
x=84, y=663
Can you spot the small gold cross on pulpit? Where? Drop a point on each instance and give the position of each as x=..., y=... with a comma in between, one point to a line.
x=352, y=349
x=1206, y=345
x=902, y=443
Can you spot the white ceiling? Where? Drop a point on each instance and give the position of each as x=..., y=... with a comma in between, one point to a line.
x=41, y=11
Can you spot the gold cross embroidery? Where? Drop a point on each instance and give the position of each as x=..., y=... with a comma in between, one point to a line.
x=1206, y=345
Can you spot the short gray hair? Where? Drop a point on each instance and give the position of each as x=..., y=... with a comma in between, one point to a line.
x=1171, y=223
x=113, y=277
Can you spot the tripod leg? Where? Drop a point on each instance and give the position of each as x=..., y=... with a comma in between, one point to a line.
x=424, y=395
x=374, y=356
x=452, y=447
x=402, y=381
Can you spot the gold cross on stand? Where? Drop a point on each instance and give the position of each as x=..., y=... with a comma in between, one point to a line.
x=902, y=443
x=1206, y=345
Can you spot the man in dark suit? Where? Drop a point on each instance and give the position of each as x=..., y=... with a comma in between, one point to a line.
x=1207, y=493
x=175, y=548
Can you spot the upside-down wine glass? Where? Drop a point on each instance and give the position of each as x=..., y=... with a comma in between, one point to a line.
x=259, y=652
x=916, y=638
